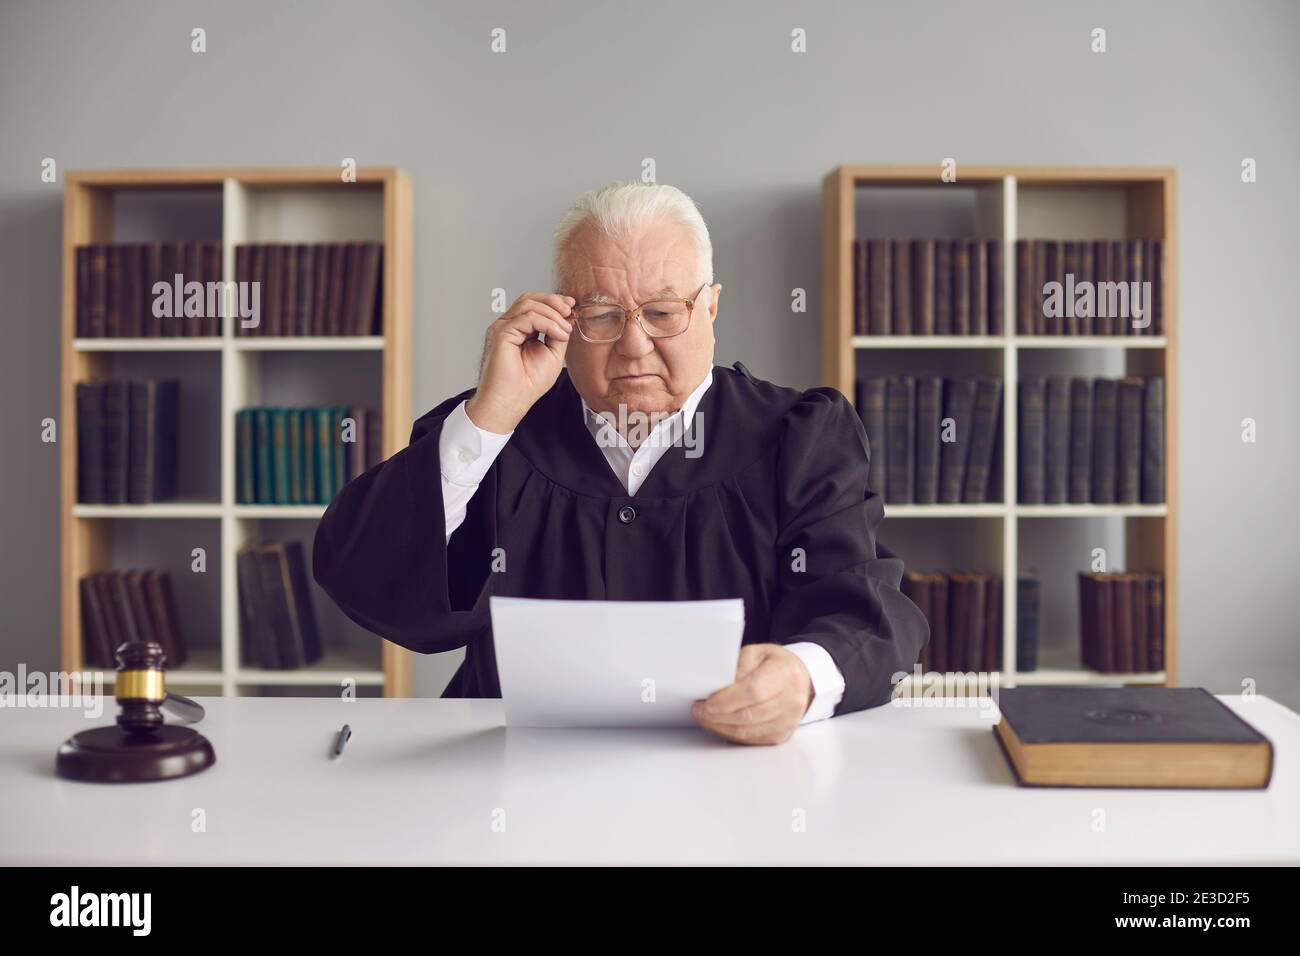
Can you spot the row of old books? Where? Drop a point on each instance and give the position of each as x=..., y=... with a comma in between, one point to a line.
x=331, y=288
x=290, y=456
x=116, y=295
x=927, y=287
x=1091, y=440
x=278, y=623
x=932, y=440
x=127, y=440
x=964, y=610
x=1122, y=621
x=118, y=607
x=1101, y=287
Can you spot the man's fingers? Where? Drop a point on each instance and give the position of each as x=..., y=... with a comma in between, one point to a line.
x=751, y=655
x=755, y=688
x=774, y=708
x=770, y=732
x=553, y=300
x=522, y=327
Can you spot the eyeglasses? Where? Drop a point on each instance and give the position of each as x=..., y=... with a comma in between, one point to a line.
x=659, y=318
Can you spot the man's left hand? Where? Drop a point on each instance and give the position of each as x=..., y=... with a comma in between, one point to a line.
x=771, y=694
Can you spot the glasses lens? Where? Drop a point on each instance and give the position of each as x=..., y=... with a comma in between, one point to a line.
x=601, y=323
x=665, y=318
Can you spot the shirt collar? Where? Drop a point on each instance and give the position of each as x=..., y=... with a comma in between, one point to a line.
x=595, y=423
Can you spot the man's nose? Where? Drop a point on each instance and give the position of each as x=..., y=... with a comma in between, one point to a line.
x=633, y=343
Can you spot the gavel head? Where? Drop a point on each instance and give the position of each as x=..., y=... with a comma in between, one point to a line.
x=139, y=686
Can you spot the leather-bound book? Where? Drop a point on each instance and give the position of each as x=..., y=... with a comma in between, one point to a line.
x=977, y=586
x=978, y=254
x=278, y=597
x=1056, y=458
x=243, y=274
x=1054, y=264
x=193, y=266
x=90, y=442
x=961, y=291
x=102, y=582
x=1025, y=297
x=873, y=420
x=1105, y=637
x=113, y=315
x=210, y=260
x=95, y=634
x=320, y=297
x=83, y=291
x=305, y=257
x=996, y=287
x=900, y=432
x=293, y=449
x=338, y=266
x=1153, y=441
x=154, y=440
x=901, y=321
x=166, y=619
x=311, y=493
x=929, y=406
x=151, y=268
x=1105, y=439
x=132, y=290
x=97, y=308
x=992, y=623
x=942, y=287
x=174, y=265
x=273, y=290
x=1041, y=277
x=1122, y=598
x=293, y=569
x=923, y=263
x=1070, y=272
x=1150, y=737
x=352, y=256
x=939, y=622
x=1101, y=270
x=1155, y=602
x=1135, y=272
x=257, y=276
x=916, y=587
x=279, y=422
x=1031, y=435
x=958, y=405
x=246, y=484
x=257, y=640
x=984, y=432
x=1156, y=274
x=1129, y=462
x=289, y=283
x=1026, y=623
x=117, y=449
x=860, y=284
x=263, y=457
x=1080, y=440
x=121, y=602
x=325, y=445
x=1096, y=622
x=1087, y=273
x=370, y=294
x=1141, y=622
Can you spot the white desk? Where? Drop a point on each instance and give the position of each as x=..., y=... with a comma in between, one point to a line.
x=423, y=780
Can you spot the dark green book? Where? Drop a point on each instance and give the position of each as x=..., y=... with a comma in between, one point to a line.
x=307, y=428
x=263, y=479
x=280, y=454
x=324, y=456
x=246, y=490
x=293, y=438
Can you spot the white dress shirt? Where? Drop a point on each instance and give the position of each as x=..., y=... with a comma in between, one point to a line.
x=467, y=452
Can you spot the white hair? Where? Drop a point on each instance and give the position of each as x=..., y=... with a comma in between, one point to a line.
x=623, y=208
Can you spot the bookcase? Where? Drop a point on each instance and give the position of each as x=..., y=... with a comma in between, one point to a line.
x=1005, y=537
x=219, y=376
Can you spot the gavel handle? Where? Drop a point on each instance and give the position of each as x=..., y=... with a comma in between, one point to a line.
x=190, y=711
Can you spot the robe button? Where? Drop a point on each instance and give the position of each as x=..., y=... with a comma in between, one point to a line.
x=626, y=514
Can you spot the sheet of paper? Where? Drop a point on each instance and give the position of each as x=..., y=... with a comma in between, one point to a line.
x=612, y=663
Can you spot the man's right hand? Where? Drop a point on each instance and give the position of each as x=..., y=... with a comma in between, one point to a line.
x=518, y=368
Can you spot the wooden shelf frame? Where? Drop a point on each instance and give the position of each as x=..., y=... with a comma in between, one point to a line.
x=1151, y=212
x=86, y=532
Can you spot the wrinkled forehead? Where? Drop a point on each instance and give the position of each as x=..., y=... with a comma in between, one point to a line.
x=658, y=261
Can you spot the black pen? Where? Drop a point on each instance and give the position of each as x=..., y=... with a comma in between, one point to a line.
x=344, y=736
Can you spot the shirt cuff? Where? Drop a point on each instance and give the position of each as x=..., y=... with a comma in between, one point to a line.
x=465, y=451
x=827, y=681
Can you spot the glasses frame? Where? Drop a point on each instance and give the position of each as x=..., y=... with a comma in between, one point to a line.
x=690, y=314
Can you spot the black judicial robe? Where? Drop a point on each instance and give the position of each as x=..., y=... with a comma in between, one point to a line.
x=778, y=470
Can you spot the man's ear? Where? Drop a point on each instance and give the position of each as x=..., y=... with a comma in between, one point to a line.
x=713, y=301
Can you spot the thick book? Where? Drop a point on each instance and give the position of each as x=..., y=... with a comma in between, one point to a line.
x=1139, y=313
x=117, y=634
x=873, y=420
x=1153, y=441
x=977, y=251
x=1129, y=737
x=289, y=283
x=1105, y=439
x=90, y=442
x=263, y=457
x=1054, y=271
x=325, y=487
x=113, y=302
x=279, y=421
x=1025, y=297
x=900, y=432
x=272, y=290
x=246, y=483
x=277, y=597
x=97, y=306
x=1026, y=623
x=1121, y=589
x=984, y=432
x=1070, y=283
x=337, y=293
x=117, y=437
x=996, y=286
x=154, y=440
x=257, y=639
x=961, y=291
x=1041, y=278
x=901, y=311
x=1056, y=455
x=133, y=293
x=369, y=290
x=293, y=446
x=929, y=408
x=1097, y=621
x=1155, y=603
x=163, y=612
x=210, y=263
x=192, y=266
x=1087, y=273
x=311, y=493
x=320, y=296
x=1031, y=433
x=992, y=623
x=942, y=287
x=923, y=262
x=1080, y=440
x=83, y=291
x=97, y=651
x=959, y=407
x=880, y=270
x=1128, y=464
x=1156, y=276
x=152, y=273
x=860, y=284
x=293, y=573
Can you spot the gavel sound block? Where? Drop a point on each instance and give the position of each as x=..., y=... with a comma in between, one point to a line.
x=140, y=746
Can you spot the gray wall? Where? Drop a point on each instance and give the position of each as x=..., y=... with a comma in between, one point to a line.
x=498, y=144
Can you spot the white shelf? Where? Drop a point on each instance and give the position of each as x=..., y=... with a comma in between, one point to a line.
x=164, y=509
x=1092, y=511
x=309, y=677
x=278, y=511
x=308, y=343
x=1002, y=341
x=991, y=510
x=176, y=344
x=929, y=341
x=1088, y=341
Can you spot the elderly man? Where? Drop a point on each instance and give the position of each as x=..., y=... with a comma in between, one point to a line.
x=603, y=456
